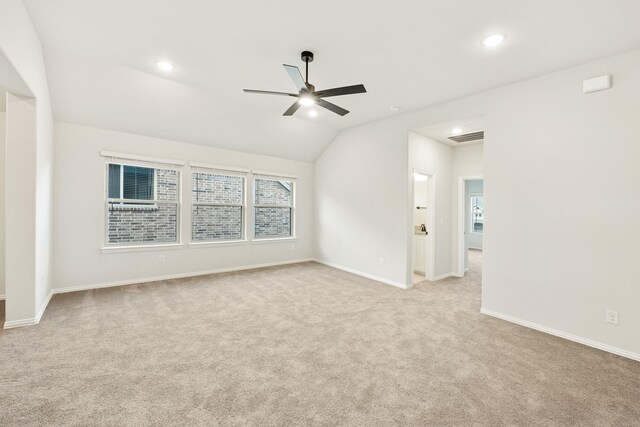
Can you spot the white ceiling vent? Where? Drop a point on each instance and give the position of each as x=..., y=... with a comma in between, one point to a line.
x=468, y=137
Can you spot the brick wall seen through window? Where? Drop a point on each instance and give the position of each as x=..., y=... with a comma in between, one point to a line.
x=218, y=206
x=273, y=208
x=152, y=215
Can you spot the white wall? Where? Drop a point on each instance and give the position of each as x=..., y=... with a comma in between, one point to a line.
x=339, y=228
x=429, y=155
x=3, y=148
x=20, y=45
x=20, y=204
x=79, y=186
x=361, y=203
x=543, y=138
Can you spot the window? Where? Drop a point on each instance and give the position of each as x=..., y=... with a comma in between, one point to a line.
x=142, y=204
x=477, y=213
x=273, y=208
x=131, y=182
x=218, y=206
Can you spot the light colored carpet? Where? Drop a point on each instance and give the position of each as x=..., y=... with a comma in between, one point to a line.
x=301, y=345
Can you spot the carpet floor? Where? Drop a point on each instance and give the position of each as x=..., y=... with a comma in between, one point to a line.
x=302, y=344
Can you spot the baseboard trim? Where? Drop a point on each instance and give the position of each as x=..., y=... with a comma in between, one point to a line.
x=19, y=323
x=442, y=276
x=44, y=306
x=172, y=276
x=366, y=275
x=30, y=321
x=561, y=334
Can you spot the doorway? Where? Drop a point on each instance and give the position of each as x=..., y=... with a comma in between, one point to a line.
x=471, y=215
x=423, y=226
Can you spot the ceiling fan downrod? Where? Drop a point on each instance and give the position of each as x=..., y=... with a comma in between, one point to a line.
x=306, y=57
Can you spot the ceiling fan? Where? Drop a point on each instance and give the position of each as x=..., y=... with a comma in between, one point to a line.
x=307, y=94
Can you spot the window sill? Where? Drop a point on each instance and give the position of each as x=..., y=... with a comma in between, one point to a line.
x=141, y=248
x=274, y=240
x=213, y=244
x=135, y=208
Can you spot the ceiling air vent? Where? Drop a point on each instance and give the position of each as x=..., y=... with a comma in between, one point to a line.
x=467, y=137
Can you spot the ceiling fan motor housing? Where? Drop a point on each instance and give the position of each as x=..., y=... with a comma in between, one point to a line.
x=307, y=56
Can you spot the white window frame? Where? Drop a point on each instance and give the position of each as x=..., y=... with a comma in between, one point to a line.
x=145, y=162
x=275, y=177
x=195, y=168
x=131, y=205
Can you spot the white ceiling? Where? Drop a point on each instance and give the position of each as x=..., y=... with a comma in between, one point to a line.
x=442, y=131
x=101, y=57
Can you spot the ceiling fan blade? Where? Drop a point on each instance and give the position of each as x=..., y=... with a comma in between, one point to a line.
x=332, y=107
x=268, y=92
x=296, y=76
x=292, y=109
x=347, y=90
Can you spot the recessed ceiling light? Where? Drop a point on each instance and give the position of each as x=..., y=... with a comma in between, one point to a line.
x=312, y=113
x=306, y=100
x=456, y=131
x=493, y=40
x=165, y=66
x=394, y=107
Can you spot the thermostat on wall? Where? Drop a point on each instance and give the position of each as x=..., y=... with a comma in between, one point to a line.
x=597, y=83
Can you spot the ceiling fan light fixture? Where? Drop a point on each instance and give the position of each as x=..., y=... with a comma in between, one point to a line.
x=313, y=113
x=493, y=40
x=307, y=100
x=165, y=66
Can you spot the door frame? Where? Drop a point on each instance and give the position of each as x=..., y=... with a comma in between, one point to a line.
x=431, y=227
x=462, y=205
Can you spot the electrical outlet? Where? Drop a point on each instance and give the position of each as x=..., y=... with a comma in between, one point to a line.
x=161, y=259
x=381, y=261
x=293, y=246
x=612, y=317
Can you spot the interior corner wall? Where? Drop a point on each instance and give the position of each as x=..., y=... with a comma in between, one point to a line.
x=3, y=224
x=20, y=267
x=555, y=260
x=79, y=212
x=436, y=157
x=361, y=220
x=20, y=45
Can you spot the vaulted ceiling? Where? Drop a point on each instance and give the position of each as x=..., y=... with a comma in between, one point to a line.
x=101, y=60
